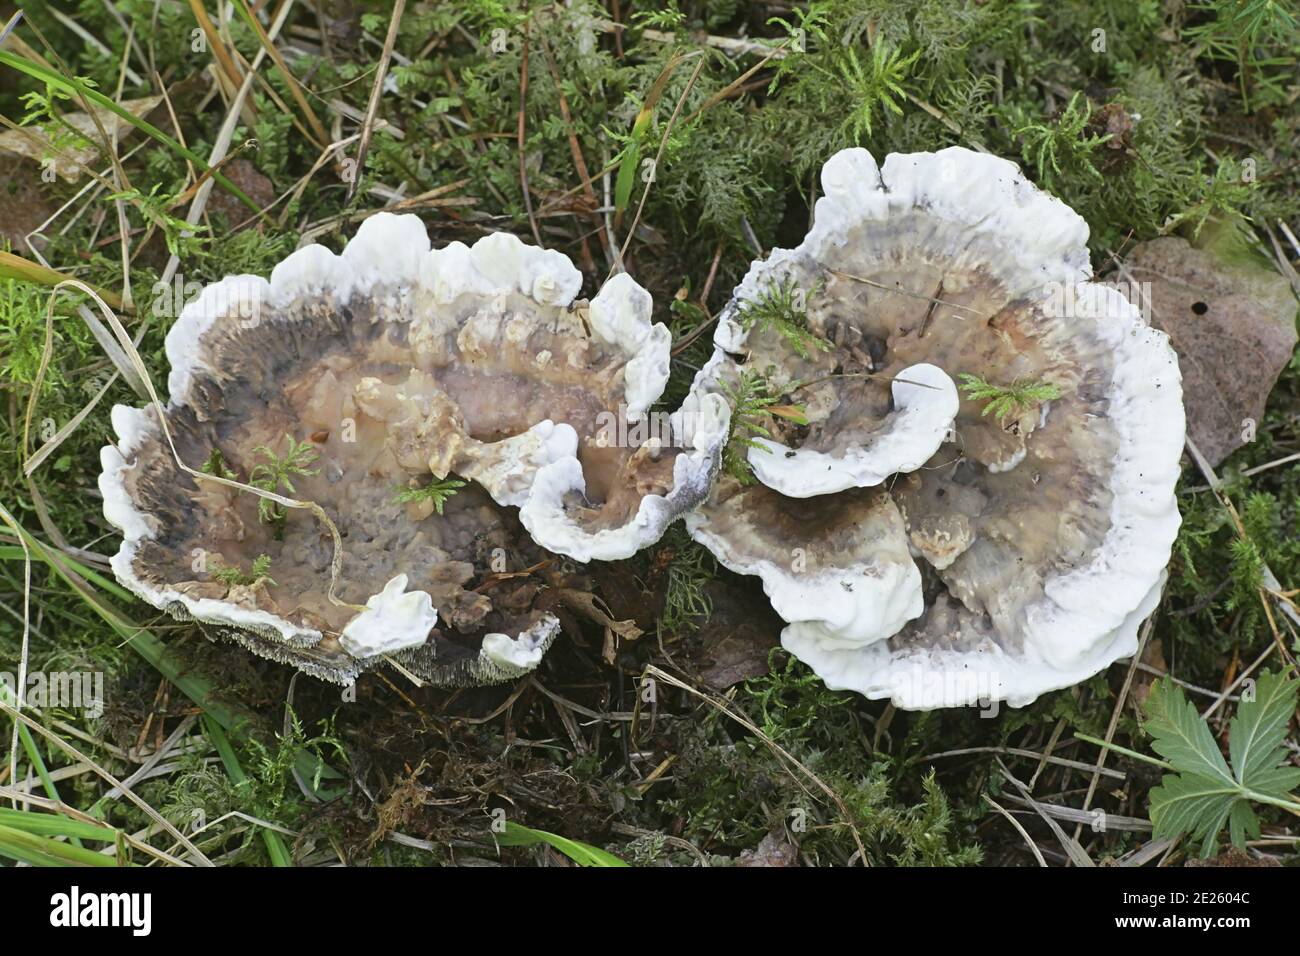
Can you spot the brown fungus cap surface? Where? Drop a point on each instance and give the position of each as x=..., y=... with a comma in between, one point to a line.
x=359, y=383
x=1039, y=535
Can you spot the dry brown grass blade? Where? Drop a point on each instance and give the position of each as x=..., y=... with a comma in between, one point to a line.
x=523, y=165
x=1069, y=844
x=219, y=51
x=1038, y=854
x=24, y=270
x=1114, y=717
x=124, y=184
x=68, y=428
x=297, y=189
x=318, y=134
x=372, y=107
x=787, y=758
x=20, y=690
x=193, y=189
x=9, y=27
x=659, y=155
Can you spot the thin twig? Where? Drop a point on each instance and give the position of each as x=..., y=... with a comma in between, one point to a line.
x=523, y=165
x=663, y=144
x=372, y=108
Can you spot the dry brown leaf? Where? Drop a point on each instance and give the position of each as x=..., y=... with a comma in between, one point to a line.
x=734, y=644
x=1233, y=327
x=247, y=177
x=33, y=142
x=773, y=850
x=23, y=207
x=591, y=607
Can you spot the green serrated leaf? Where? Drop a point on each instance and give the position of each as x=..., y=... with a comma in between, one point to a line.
x=1255, y=740
x=1181, y=736
x=1204, y=796
x=1243, y=824
x=1191, y=803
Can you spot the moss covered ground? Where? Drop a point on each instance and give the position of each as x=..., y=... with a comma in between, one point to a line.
x=683, y=139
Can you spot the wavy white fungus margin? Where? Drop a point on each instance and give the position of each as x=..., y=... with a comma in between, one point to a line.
x=389, y=253
x=925, y=404
x=394, y=619
x=843, y=609
x=1089, y=615
x=699, y=427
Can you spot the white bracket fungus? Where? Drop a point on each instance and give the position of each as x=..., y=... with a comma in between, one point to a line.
x=1022, y=555
x=924, y=405
x=415, y=397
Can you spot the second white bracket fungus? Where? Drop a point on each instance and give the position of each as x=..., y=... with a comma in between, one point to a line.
x=1038, y=538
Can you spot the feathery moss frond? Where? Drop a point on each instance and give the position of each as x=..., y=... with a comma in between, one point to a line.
x=277, y=473
x=783, y=307
x=1003, y=400
x=751, y=400
x=436, y=491
x=232, y=575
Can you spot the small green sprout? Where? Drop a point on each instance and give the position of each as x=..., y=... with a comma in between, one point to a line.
x=751, y=400
x=877, y=82
x=1003, y=400
x=1066, y=146
x=232, y=575
x=782, y=306
x=437, y=491
x=216, y=465
x=156, y=207
x=277, y=473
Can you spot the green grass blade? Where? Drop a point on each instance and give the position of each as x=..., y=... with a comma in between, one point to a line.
x=71, y=85
x=53, y=824
x=275, y=846
x=43, y=851
x=24, y=270
x=584, y=854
